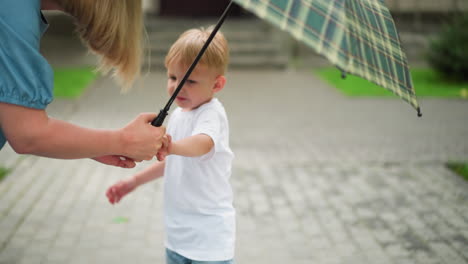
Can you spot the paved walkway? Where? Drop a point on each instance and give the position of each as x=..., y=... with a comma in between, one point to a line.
x=318, y=178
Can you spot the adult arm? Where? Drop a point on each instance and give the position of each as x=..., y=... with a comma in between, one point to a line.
x=32, y=131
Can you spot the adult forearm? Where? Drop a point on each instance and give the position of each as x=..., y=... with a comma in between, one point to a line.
x=31, y=131
x=59, y=139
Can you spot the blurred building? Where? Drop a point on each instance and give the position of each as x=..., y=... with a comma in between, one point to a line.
x=212, y=7
x=427, y=6
x=253, y=43
x=189, y=8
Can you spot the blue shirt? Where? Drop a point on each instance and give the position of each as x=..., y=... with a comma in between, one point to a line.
x=26, y=78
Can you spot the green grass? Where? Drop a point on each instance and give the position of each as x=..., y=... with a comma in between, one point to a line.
x=459, y=168
x=71, y=82
x=427, y=83
x=121, y=220
x=3, y=173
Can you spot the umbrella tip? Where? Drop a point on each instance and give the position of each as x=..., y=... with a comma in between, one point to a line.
x=419, y=112
x=343, y=72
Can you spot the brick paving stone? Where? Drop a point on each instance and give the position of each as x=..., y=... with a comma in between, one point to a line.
x=446, y=253
x=30, y=260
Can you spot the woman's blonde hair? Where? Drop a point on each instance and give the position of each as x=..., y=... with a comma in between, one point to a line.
x=189, y=44
x=112, y=29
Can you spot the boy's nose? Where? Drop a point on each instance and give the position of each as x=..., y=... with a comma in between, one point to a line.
x=181, y=89
x=175, y=85
x=175, y=88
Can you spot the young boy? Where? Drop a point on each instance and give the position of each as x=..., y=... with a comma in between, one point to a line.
x=198, y=210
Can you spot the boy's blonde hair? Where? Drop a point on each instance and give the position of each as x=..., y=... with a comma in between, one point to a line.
x=112, y=29
x=189, y=44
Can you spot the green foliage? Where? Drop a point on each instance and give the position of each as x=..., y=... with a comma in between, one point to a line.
x=459, y=168
x=426, y=83
x=71, y=82
x=3, y=173
x=448, y=54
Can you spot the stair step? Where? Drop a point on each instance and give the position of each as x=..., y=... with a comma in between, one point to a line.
x=237, y=36
x=246, y=62
x=252, y=42
x=169, y=24
x=237, y=48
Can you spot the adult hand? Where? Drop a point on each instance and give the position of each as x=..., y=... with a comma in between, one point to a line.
x=115, y=160
x=141, y=140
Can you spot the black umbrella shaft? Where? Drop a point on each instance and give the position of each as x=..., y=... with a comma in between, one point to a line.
x=159, y=120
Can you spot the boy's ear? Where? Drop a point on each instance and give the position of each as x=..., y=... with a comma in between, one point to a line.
x=219, y=84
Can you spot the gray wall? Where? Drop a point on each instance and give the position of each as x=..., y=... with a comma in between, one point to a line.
x=427, y=5
x=152, y=6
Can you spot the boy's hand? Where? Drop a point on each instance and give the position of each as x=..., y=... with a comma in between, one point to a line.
x=165, y=148
x=117, y=191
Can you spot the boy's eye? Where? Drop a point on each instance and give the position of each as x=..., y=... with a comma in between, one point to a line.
x=191, y=81
x=173, y=78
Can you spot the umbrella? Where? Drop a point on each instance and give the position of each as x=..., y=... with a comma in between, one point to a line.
x=358, y=36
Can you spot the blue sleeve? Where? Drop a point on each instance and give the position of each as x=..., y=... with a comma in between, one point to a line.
x=26, y=78
x=2, y=140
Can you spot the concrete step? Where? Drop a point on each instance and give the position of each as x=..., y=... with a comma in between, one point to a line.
x=232, y=36
x=237, y=49
x=153, y=23
x=252, y=42
x=238, y=63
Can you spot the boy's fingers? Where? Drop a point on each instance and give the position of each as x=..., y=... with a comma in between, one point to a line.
x=109, y=194
x=109, y=198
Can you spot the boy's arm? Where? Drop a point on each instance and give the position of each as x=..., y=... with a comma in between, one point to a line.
x=120, y=189
x=192, y=146
x=156, y=170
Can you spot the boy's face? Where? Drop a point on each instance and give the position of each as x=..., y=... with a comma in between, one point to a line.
x=199, y=88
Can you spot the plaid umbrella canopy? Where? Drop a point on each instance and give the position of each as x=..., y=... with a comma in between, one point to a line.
x=358, y=36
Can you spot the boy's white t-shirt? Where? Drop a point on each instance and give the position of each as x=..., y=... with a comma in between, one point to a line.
x=199, y=215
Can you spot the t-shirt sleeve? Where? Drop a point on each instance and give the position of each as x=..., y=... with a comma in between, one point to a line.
x=26, y=78
x=209, y=123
